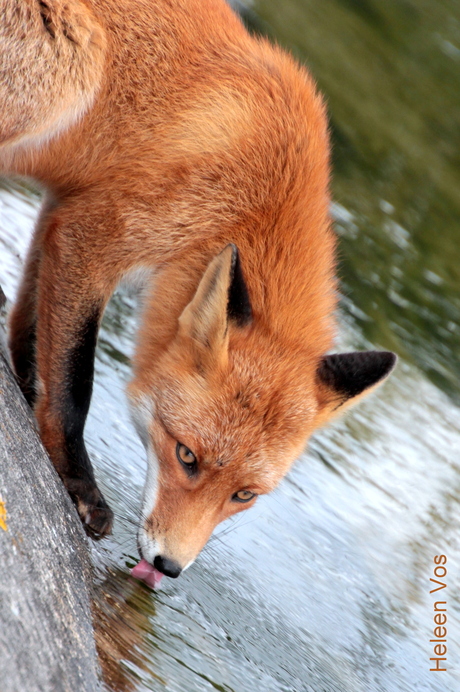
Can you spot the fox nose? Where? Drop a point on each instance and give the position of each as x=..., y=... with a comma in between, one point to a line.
x=167, y=566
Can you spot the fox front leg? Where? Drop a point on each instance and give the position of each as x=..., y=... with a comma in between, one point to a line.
x=61, y=410
x=23, y=318
x=74, y=285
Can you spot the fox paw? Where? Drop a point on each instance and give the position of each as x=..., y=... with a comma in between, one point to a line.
x=96, y=515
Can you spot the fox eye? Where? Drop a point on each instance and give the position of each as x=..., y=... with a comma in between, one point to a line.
x=243, y=496
x=186, y=457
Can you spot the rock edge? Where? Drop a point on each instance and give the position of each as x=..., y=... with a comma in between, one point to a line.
x=46, y=631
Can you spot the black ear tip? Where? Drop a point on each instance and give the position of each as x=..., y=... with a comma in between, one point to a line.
x=353, y=373
x=388, y=360
x=378, y=364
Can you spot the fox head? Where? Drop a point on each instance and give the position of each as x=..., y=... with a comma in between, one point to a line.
x=230, y=409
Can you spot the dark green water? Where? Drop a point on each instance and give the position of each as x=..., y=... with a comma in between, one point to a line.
x=325, y=585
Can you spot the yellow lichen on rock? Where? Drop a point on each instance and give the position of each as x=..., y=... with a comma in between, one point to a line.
x=3, y=524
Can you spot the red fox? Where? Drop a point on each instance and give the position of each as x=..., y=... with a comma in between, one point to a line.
x=169, y=140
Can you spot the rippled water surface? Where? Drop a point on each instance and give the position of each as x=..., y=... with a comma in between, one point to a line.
x=325, y=585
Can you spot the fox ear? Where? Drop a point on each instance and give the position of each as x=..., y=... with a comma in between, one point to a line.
x=221, y=296
x=239, y=305
x=344, y=378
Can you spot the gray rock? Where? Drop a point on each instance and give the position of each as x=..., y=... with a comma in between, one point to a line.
x=46, y=632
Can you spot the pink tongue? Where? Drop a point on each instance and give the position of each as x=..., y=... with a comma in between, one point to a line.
x=147, y=573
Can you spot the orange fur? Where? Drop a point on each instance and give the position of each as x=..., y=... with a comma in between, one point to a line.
x=167, y=133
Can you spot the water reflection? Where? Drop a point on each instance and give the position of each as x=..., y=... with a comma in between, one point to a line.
x=123, y=610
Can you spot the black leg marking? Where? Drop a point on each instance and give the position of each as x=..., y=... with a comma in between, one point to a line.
x=80, y=373
x=23, y=356
x=79, y=477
